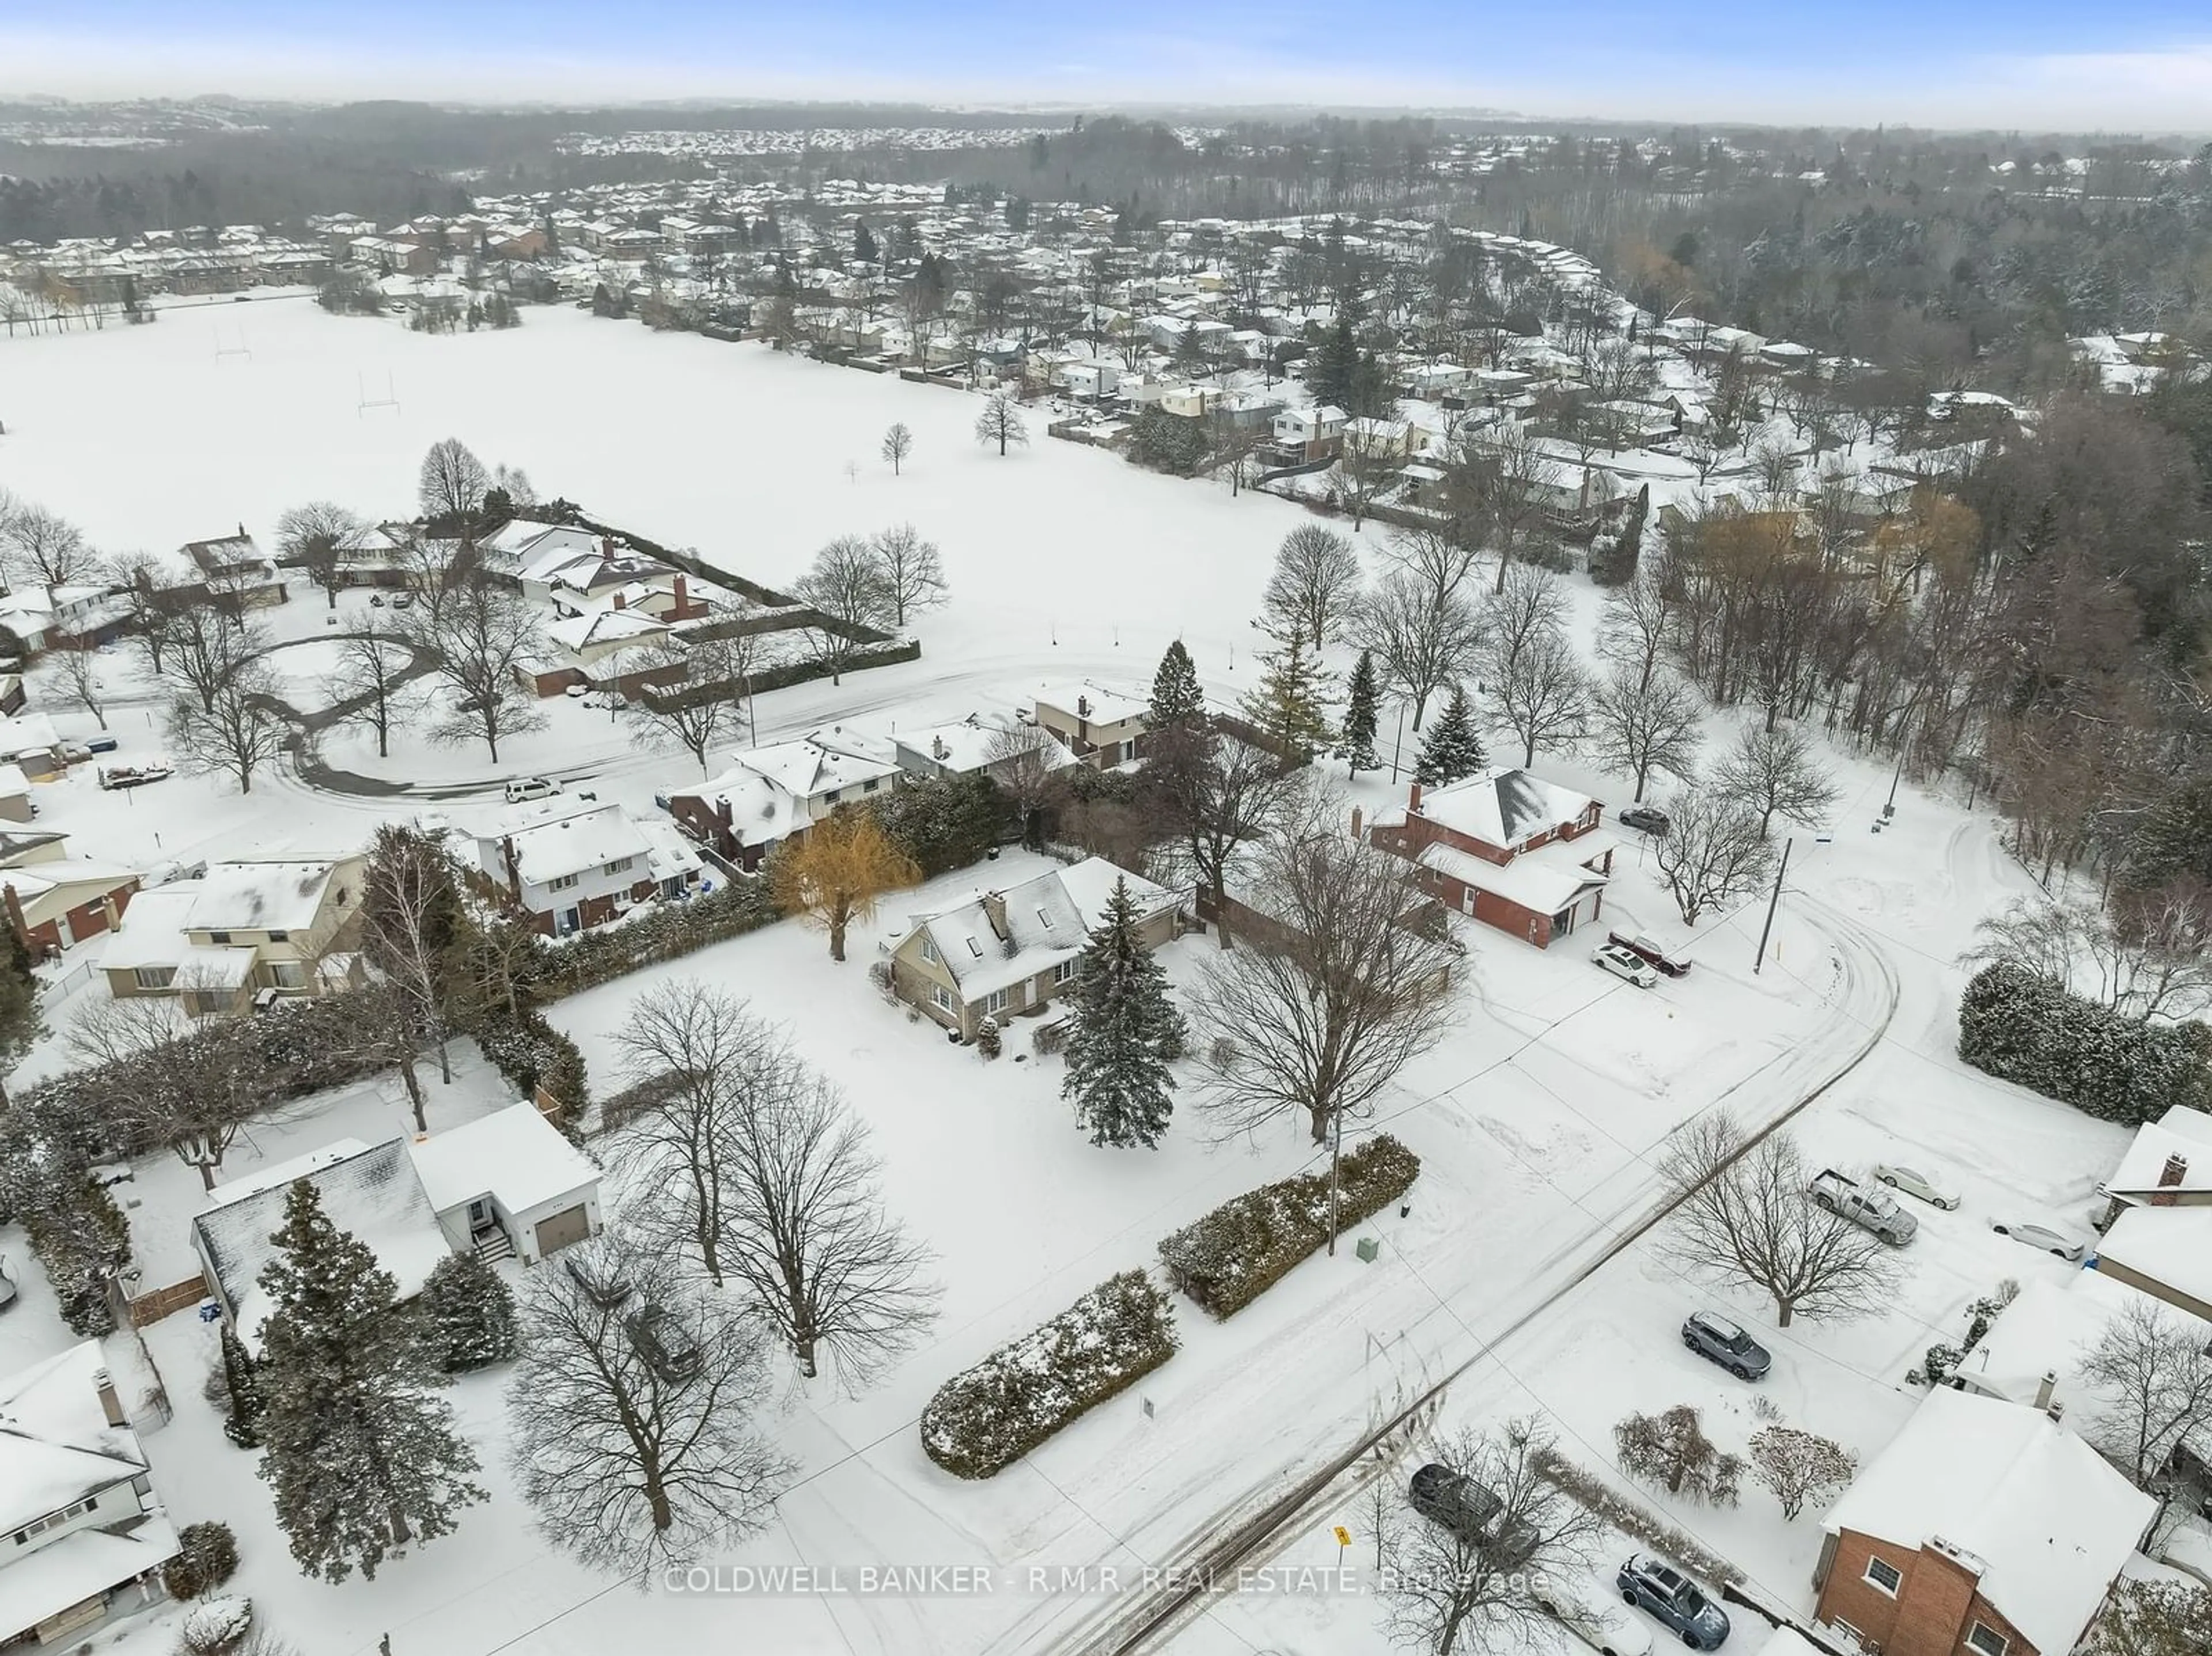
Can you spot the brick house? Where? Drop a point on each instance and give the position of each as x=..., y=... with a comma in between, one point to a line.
x=59, y=901
x=1000, y=953
x=573, y=863
x=775, y=793
x=1985, y=1529
x=1507, y=847
x=2168, y=1164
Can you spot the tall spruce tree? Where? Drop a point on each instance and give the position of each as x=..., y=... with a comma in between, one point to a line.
x=20, y=1024
x=1125, y=1031
x=1177, y=701
x=1451, y=750
x=358, y=1450
x=1361, y=713
x=243, y=1381
x=468, y=1313
x=1290, y=704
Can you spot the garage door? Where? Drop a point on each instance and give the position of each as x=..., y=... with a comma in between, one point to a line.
x=569, y=1225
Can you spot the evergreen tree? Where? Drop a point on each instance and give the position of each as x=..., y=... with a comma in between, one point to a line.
x=1334, y=372
x=243, y=1382
x=1177, y=703
x=1289, y=703
x=359, y=1454
x=20, y=1024
x=863, y=243
x=470, y=1314
x=1125, y=1031
x=1451, y=750
x=1360, y=713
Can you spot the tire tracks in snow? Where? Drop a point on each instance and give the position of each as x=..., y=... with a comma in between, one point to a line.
x=1870, y=991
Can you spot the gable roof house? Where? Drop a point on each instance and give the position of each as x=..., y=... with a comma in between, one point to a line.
x=280, y=925
x=2168, y=1164
x=60, y=901
x=572, y=864
x=771, y=794
x=235, y=571
x=1507, y=847
x=577, y=573
x=1985, y=1528
x=999, y=747
x=81, y=1534
x=1000, y=954
x=1102, y=726
x=509, y=1183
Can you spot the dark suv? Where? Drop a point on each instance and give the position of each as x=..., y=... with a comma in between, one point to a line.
x=1468, y=1510
x=1675, y=1599
x=1645, y=819
x=1719, y=1340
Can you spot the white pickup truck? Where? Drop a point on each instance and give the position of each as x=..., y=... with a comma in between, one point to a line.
x=1863, y=1204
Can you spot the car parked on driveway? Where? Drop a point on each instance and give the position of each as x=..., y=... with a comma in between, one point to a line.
x=1863, y=1205
x=1645, y=819
x=1469, y=1509
x=2042, y=1237
x=1913, y=1182
x=1623, y=964
x=1719, y=1340
x=1660, y=1588
x=530, y=787
x=1579, y=1603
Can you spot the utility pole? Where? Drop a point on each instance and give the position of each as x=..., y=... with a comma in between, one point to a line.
x=1772, y=903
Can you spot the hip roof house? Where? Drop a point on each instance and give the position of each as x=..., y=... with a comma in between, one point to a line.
x=1507, y=847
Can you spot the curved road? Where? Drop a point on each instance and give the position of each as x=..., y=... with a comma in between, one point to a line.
x=1865, y=1000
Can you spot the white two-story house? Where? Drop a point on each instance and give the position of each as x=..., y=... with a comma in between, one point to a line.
x=572, y=862
x=770, y=794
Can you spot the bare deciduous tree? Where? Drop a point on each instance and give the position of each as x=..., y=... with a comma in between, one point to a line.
x=451, y=484
x=1528, y=606
x=1712, y=852
x=1670, y=1449
x=844, y=585
x=41, y=548
x=1221, y=795
x=411, y=905
x=1445, y=1591
x=79, y=672
x=2154, y=1618
x=1638, y=618
x=703, y=708
x=372, y=673
x=1437, y=557
x=1641, y=724
x=1334, y=995
x=2153, y=1373
x=1315, y=585
x=1775, y=772
x=313, y=537
x=1740, y=1214
x=194, y=1097
x=238, y=732
x=205, y=649
x=1001, y=422
x=1545, y=695
x=898, y=443
x=481, y=635
x=632, y=1410
x=1419, y=644
x=911, y=570
x=1799, y=1467
x=2144, y=956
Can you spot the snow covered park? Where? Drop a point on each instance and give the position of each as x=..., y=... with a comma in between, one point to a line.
x=1522, y=1269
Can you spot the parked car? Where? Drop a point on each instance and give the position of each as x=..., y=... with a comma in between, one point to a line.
x=530, y=787
x=1580, y=1603
x=1468, y=1508
x=1680, y=1603
x=575, y=691
x=2042, y=1237
x=1719, y=1340
x=1623, y=964
x=1648, y=949
x=113, y=776
x=102, y=744
x=7, y=1285
x=403, y=600
x=1913, y=1182
x=1645, y=819
x=1875, y=1210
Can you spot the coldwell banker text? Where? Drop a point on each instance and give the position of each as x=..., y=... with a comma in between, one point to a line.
x=976, y=1580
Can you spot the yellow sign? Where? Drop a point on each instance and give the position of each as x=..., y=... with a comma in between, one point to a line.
x=1343, y=1535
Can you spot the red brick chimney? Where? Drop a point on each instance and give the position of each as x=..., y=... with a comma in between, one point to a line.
x=2169, y=1180
x=683, y=610
x=1414, y=798
x=1357, y=819
x=619, y=601
x=606, y=550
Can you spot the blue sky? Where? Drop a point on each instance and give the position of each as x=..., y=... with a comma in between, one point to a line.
x=2125, y=64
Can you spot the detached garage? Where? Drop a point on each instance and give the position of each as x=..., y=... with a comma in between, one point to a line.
x=509, y=1184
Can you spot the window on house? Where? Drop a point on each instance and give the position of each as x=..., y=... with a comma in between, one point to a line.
x=1063, y=972
x=561, y=883
x=830, y=798
x=995, y=1001
x=280, y=937
x=1883, y=1575
x=218, y=937
x=617, y=867
x=156, y=977
x=976, y=949
x=1985, y=1640
x=287, y=974
x=943, y=996
x=869, y=786
x=929, y=951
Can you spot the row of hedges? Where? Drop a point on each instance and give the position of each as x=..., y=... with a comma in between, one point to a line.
x=665, y=931
x=778, y=677
x=983, y=1420
x=1250, y=1242
x=2023, y=1028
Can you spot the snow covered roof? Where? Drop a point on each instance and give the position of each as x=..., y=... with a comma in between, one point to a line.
x=570, y=842
x=809, y=769
x=27, y=733
x=2172, y=1247
x=668, y=854
x=608, y=627
x=66, y=1572
x=515, y=1155
x=1099, y=704
x=1047, y=921
x=56, y=1445
x=373, y=1193
x=271, y=894
x=973, y=743
x=1541, y=883
x=2181, y=1133
x=2046, y=1519
x=1498, y=806
x=13, y=783
x=153, y=929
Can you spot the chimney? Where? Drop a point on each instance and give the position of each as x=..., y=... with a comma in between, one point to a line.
x=1083, y=706
x=937, y=748
x=1356, y=820
x=619, y=601
x=514, y=867
x=994, y=910
x=606, y=550
x=2057, y=1413
x=683, y=599
x=1413, y=799
x=110, y=1404
x=2169, y=1180
x=2046, y=1387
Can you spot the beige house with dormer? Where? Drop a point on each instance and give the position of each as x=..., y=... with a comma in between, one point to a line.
x=286, y=926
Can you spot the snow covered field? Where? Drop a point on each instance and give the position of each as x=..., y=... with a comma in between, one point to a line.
x=1537, y=1119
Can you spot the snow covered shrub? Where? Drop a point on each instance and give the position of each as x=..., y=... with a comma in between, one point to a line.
x=2026, y=1028
x=216, y=1627
x=984, y=1420
x=531, y=1053
x=207, y=1556
x=469, y=1315
x=1937, y=1365
x=1227, y=1259
x=987, y=1040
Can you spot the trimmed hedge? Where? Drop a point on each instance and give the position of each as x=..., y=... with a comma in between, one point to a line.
x=2023, y=1027
x=665, y=931
x=982, y=1421
x=1250, y=1242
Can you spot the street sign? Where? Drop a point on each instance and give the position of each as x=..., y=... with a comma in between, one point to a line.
x=1343, y=1535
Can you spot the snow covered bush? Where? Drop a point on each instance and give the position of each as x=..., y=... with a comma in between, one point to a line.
x=2023, y=1028
x=982, y=1421
x=1227, y=1259
x=988, y=1042
x=216, y=1627
x=531, y=1053
x=469, y=1315
x=207, y=1556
